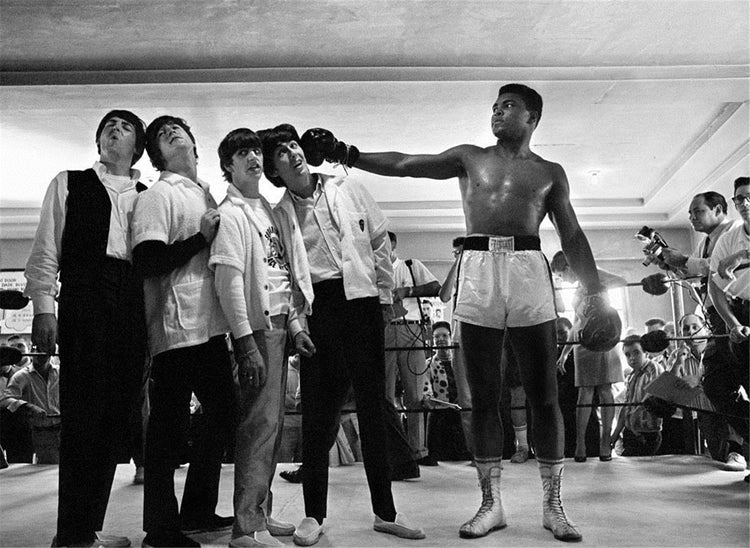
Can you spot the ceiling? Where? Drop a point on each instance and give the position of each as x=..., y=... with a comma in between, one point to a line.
x=646, y=103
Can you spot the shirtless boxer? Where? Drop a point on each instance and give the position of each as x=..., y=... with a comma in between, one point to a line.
x=504, y=283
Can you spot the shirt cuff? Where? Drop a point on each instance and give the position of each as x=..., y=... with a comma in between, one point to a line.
x=696, y=266
x=43, y=304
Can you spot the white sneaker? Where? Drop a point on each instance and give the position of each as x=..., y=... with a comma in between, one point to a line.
x=308, y=532
x=735, y=462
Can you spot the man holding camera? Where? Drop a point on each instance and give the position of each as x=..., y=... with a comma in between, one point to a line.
x=707, y=214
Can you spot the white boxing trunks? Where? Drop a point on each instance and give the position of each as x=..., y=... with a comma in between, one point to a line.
x=504, y=281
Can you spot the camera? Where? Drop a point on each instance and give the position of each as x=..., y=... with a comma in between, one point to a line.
x=654, y=244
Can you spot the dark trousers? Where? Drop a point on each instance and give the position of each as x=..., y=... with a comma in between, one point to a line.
x=640, y=444
x=206, y=370
x=102, y=352
x=348, y=336
x=15, y=437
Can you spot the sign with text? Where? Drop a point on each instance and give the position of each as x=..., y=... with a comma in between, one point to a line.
x=14, y=322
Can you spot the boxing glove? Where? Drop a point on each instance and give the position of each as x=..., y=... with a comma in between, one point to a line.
x=320, y=144
x=600, y=325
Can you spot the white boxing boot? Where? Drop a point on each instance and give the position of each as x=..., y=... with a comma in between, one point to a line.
x=553, y=514
x=490, y=515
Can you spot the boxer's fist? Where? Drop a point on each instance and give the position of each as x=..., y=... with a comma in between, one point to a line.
x=655, y=284
x=600, y=325
x=320, y=144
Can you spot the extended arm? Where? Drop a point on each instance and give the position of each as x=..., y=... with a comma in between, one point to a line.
x=396, y=164
x=574, y=243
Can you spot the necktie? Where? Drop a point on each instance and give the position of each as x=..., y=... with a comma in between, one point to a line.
x=705, y=248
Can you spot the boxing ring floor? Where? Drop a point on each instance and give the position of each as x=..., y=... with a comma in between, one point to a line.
x=668, y=500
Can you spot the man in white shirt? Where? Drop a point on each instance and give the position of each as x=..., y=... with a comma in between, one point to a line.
x=173, y=225
x=412, y=280
x=83, y=234
x=725, y=362
x=265, y=300
x=343, y=234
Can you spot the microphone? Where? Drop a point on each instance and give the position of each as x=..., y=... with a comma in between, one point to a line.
x=12, y=299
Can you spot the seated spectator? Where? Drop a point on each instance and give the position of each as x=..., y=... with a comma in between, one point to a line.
x=641, y=431
x=15, y=432
x=34, y=393
x=445, y=439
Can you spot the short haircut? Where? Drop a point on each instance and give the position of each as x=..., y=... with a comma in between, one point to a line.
x=531, y=98
x=235, y=140
x=565, y=321
x=559, y=262
x=741, y=181
x=133, y=120
x=442, y=324
x=459, y=241
x=713, y=199
x=152, y=143
x=392, y=237
x=655, y=321
x=701, y=318
x=17, y=338
x=271, y=139
x=632, y=340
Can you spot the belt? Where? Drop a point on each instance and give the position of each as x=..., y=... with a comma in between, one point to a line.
x=405, y=322
x=502, y=244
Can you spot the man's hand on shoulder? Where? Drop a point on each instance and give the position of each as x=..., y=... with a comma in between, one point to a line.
x=44, y=332
x=209, y=224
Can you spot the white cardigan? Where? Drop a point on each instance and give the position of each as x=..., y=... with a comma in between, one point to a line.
x=238, y=243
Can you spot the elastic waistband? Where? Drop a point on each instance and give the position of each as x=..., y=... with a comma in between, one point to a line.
x=502, y=244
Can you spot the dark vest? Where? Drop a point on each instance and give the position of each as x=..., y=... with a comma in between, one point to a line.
x=83, y=251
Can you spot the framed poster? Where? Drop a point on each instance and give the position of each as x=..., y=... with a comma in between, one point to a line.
x=15, y=322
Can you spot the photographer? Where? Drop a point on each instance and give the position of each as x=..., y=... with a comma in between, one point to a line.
x=707, y=214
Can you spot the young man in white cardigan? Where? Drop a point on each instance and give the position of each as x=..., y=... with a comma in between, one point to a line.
x=259, y=290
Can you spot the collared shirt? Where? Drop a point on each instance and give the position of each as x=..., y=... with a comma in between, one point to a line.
x=402, y=277
x=28, y=386
x=182, y=308
x=638, y=418
x=321, y=234
x=365, y=248
x=44, y=259
x=733, y=240
x=698, y=262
